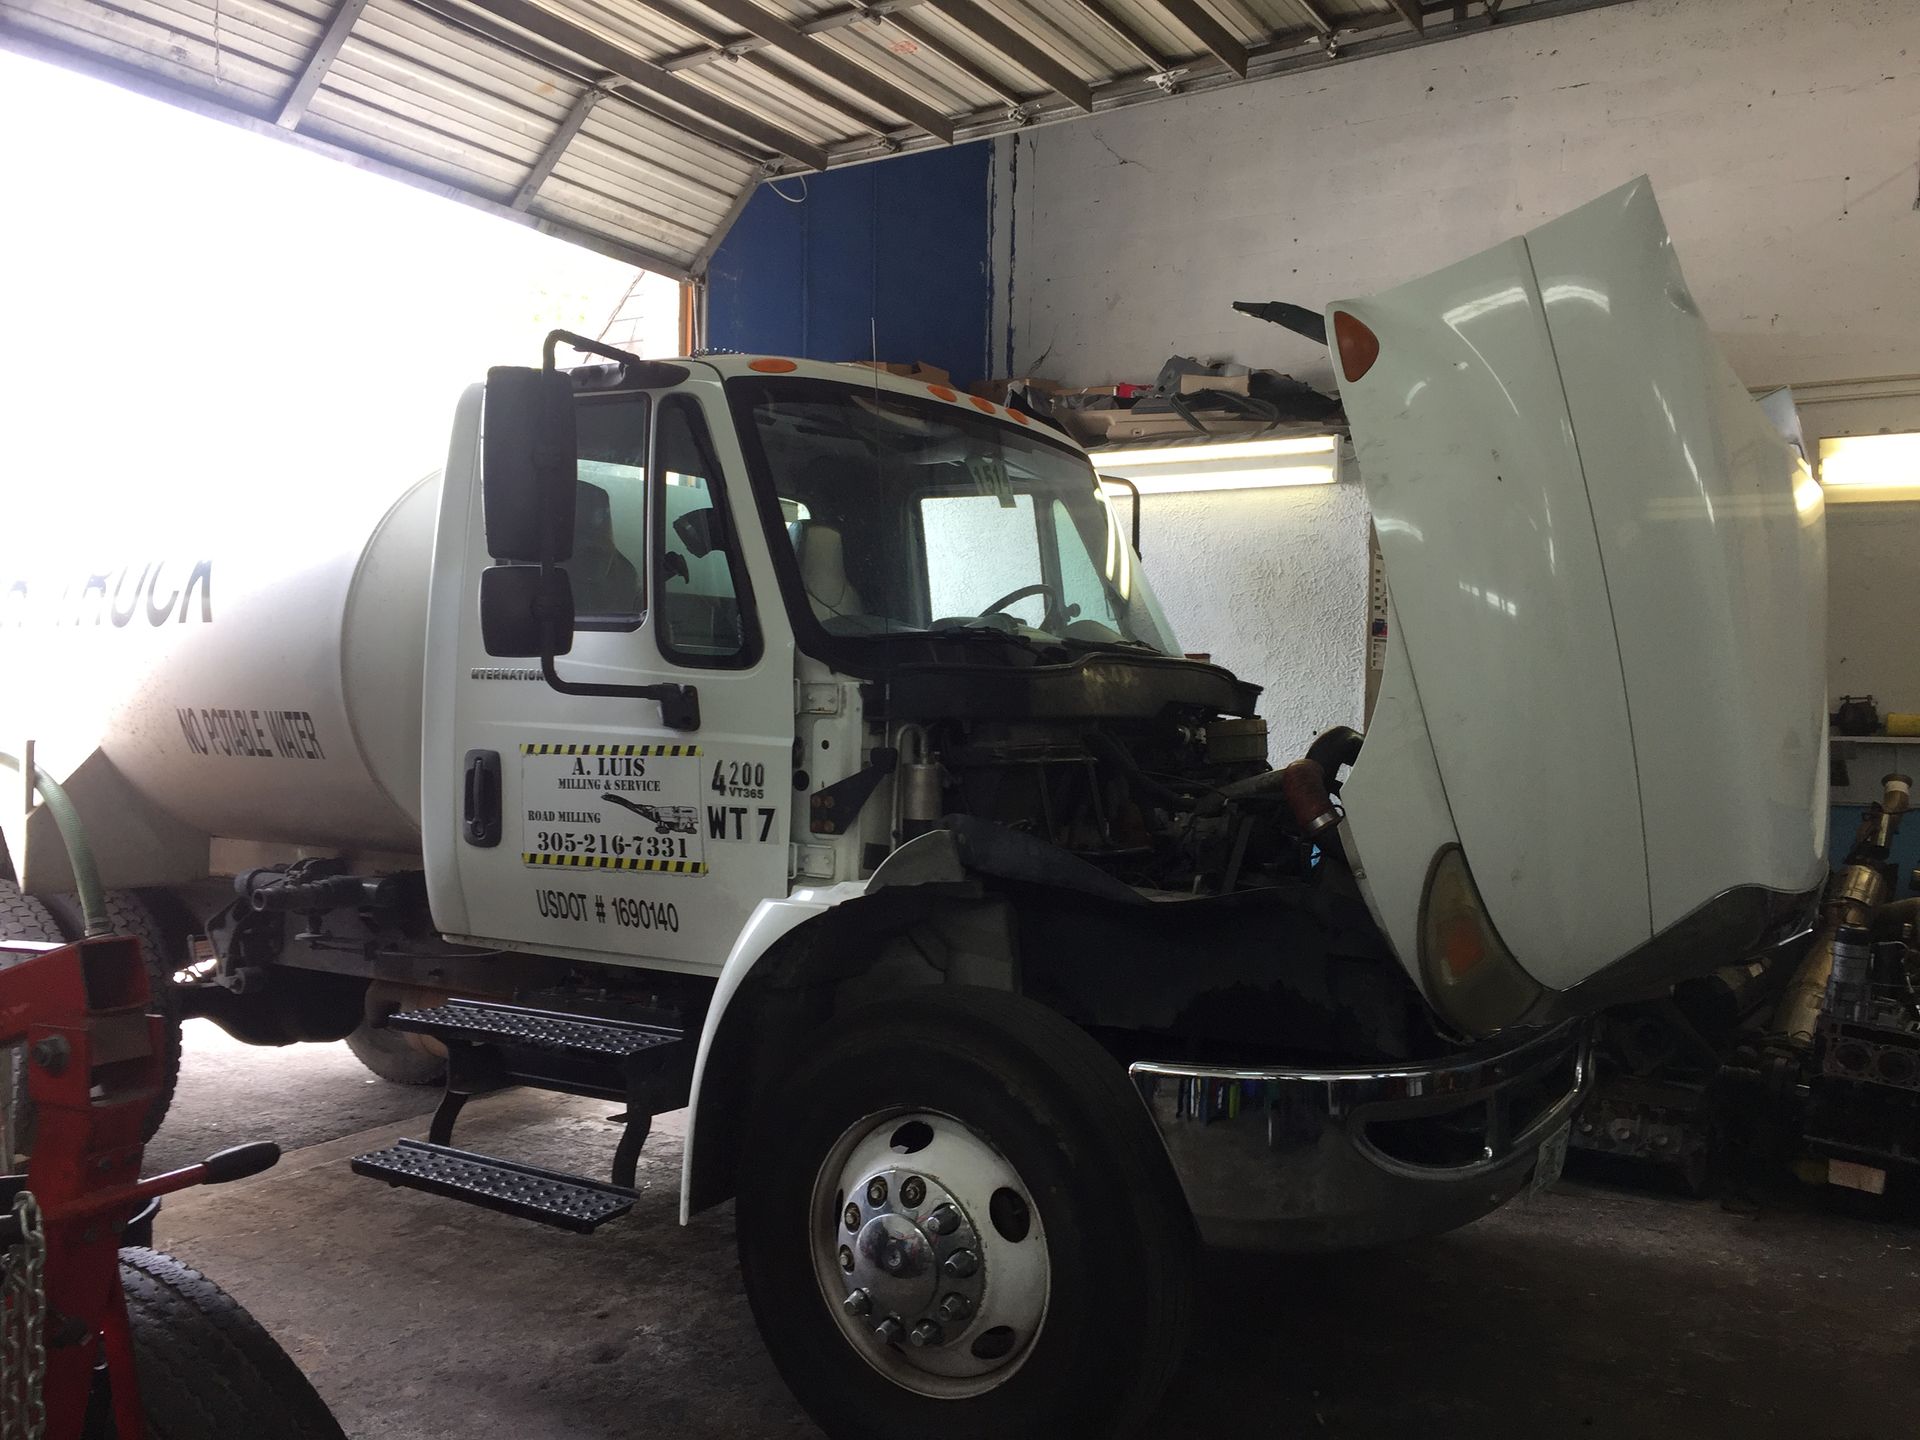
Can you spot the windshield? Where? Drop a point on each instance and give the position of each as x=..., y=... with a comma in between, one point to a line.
x=912, y=515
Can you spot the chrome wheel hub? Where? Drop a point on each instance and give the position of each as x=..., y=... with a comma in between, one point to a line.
x=929, y=1253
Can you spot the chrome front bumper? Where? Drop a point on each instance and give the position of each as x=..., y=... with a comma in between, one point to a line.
x=1333, y=1159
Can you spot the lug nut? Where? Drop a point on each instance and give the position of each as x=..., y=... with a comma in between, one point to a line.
x=846, y=1258
x=852, y=1217
x=961, y=1265
x=912, y=1191
x=890, y=1329
x=943, y=1220
x=858, y=1303
x=877, y=1191
x=926, y=1333
x=954, y=1309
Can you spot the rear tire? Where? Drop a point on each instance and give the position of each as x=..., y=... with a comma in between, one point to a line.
x=391, y=1055
x=1057, y=1111
x=22, y=918
x=207, y=1370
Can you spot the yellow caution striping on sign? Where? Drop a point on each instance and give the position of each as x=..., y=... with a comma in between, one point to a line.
x=672, y=752
x=615, y=862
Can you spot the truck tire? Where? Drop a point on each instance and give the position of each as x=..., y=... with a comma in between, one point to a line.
x=207, y=1370
x=392, y=1056
x=1076, y=1299
x=128, y=914
x=22, y=918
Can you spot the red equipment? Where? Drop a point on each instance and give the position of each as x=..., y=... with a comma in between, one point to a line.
x=92, y=1068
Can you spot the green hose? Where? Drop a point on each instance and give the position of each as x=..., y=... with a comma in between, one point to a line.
x=86, y=874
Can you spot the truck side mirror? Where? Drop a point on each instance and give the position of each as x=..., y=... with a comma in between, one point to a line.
x=527, y=465
x=525, y=610
x=698, y=532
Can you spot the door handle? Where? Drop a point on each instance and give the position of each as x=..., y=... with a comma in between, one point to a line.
x=480, y=799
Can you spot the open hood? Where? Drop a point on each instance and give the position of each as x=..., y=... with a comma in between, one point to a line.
x=1606, y=675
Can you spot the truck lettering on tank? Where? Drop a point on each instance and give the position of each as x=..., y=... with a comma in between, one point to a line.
x=253, y=734
x=115, y=597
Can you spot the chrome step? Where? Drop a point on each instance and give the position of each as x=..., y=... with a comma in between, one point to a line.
x=644, y=1065
x=550, y=1197
x=517, y=1027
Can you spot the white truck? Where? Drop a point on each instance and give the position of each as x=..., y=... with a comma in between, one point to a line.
x=805, y=746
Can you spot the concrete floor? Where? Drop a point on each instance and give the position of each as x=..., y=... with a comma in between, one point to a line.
x=1586, y=1312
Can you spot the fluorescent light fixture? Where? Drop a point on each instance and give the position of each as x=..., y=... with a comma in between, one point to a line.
x=1223, y=465
x=1871, y=467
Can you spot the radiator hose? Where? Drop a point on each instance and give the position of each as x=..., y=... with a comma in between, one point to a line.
x=86, y=874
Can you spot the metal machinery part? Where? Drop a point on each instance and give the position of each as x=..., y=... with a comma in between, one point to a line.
x=94, y=1063
x=1860, y=888
x=1787, y=1055
x=930, y=1252
x=1857, y=892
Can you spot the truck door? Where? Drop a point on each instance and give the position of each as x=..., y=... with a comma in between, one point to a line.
x=619, y=837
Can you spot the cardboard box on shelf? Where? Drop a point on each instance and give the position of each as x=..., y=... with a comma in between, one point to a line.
x=1129, y=425
x=919, y=370
x=1232, y=384
x=998, y=390
x=1122, y=389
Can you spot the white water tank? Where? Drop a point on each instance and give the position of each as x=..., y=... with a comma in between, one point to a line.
x=259, y=681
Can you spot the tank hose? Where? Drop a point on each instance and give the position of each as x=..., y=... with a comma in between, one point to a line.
x=86, y=874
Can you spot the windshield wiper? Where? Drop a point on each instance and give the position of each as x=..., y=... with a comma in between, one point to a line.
x=1120, y=644
x=971, y=630
x=974, y=632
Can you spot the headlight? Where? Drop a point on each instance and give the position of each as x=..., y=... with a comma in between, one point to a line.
x=1471, y=977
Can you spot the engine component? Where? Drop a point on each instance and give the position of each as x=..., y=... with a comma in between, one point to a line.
x=1237, y=740
x=1849, y=974
x=1304, y=784
x=920, y=786
x=1854, y=895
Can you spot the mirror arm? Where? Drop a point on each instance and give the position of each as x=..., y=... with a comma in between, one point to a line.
x=679, y=704
x=586, y=347
x=1134, y=491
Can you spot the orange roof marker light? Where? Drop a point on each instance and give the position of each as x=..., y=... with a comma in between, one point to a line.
x=1015, y=415
x=941, y=392
x=979, y=404
x=772, y=366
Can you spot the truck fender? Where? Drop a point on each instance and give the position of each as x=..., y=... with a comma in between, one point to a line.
x=931, y=859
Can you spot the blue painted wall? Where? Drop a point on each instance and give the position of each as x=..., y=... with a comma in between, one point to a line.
x=1906, y=845
x=889, y=259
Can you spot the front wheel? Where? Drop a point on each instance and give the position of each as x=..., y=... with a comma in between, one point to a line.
x=955, y=1220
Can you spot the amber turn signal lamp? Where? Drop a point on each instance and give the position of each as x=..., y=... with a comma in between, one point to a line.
x=1359, y=347
x=1466, y=969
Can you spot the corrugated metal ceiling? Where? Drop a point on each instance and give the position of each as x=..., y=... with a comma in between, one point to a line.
x=638, y=127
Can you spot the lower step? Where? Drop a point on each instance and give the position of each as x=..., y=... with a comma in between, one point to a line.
x=551, y=1197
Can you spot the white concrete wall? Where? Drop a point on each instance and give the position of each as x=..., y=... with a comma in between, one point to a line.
x=1782, y=136
x=1873, y=570
x=1262, y=581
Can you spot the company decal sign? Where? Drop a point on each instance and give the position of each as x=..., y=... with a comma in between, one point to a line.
x=613, y=807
